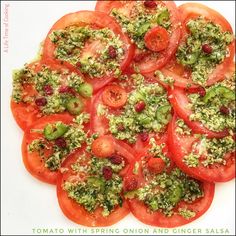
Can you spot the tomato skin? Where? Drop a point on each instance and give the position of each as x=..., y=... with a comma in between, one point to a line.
x=157, y=39
x=114, y=96
x=190, y=11
x=148, y=64
x=83, y=18
x=78, y=214
x=180, y=146
x=179, y=101
x=32, y=161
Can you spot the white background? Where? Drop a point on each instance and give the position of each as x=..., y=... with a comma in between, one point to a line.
x=28, y=204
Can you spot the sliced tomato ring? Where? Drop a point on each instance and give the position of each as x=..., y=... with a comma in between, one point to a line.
x=180, y=102
x=148, y=63
x=183, y=75
x=157, y=218
x=77, y=213
x=114, y=96
x=181, y=145
x=32, y=161
x=97, y=20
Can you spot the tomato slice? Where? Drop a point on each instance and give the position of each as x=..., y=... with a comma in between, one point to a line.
x=76, y=212
x=157, y=39
x=181, y=145
x=25, y=113
x=148, y=62
x=180, y=102
x=190, y=11
x=156, y=218
x=32, y=161
x=96, y=20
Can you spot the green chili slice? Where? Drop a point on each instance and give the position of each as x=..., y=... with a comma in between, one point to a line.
x=163, y=114
x=54, y=131
x=85, y=90
x=75, y=106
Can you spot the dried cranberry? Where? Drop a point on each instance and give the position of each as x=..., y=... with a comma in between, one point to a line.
x=139, y=57
x=48, y=90
x=150, y=4
x=40, y=102
x=107, y=172
x=202, y=92
x=60, y=142
x=120, y=127
x=144, y=137
x=78, y=64
x=140, y=106
x=224, y=110
x=116, y=159
x=130, y=183
x=112, y=52
x=66, y=89
x=207, y=48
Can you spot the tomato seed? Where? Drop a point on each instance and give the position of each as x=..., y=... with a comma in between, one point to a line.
x=112, y=52
x=107, y=172
x=207, y=48
x=48, y=90
x=224, y=110
x=140, y=106
x=116, y=159
x=150, y=4
x=40, y=102
x=60, y=142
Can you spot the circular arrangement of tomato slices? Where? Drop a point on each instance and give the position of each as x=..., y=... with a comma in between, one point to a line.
x=131, y=109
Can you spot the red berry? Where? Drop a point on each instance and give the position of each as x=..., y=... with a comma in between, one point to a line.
x=66, y=89
x=112, y=52
x=40, y=102
x=107, y=172
x=60, y=142
x=202, y=92
x=150, y=4
x=224, y=110
x=48, y=89
x=207, y=48
x=140, y=106
x=144, y=137
x=130, y=183
x=78, y=64
x=116, y=159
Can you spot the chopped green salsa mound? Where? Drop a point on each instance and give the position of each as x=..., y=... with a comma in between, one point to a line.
x=73, y=137
x=96, y=191
x=215, y=150
x=56, y=101
x=166, y=190
x=71, y=42
x=192, y=55
x=153, y=118
x=208, y=109
x=141, y=20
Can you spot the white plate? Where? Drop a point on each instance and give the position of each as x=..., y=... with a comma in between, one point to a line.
x=29, y=206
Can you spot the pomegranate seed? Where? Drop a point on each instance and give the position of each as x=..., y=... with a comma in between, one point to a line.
x=224, y=110
x=40, y=102
x=107, y=172
x=66, y=89
x=112, y=52
x=116, y=159
x=144, y=137
x=120, y=127
x=130, y=183
x=202, y=92
x=150, y=4
x=140, y=106
x=139, y=57
x=48, y=89
x=207, y=48
x=60, y=142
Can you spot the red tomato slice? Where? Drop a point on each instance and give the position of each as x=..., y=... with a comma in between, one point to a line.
x=179, y=101
x=96, y=20
x=27, y=113
x=77, y=213
x=182, y=145
x=183, y=76
x=147, y=63
x=140, y=210
x=32, y=161
x=157, y=39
